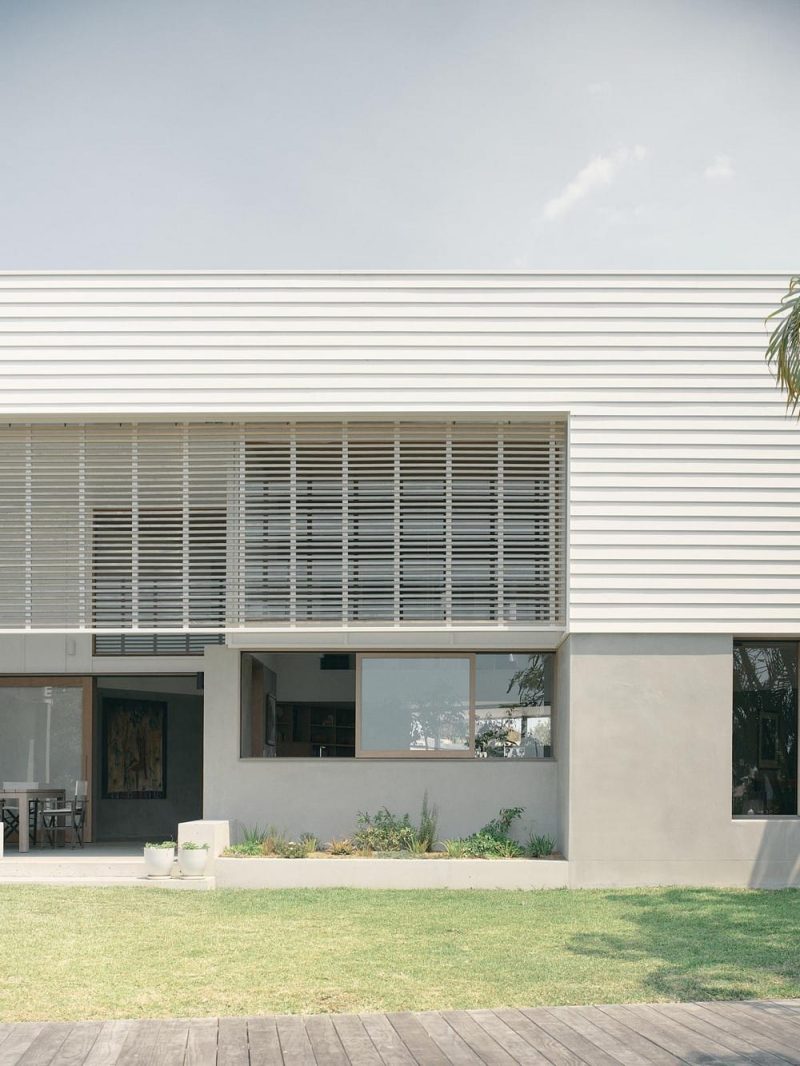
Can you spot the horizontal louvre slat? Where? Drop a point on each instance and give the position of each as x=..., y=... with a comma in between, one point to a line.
x=176, y=528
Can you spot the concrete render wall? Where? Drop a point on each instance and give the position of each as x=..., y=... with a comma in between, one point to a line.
x=323, y=796
x=649, y=790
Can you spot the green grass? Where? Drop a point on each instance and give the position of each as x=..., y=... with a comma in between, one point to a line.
x=69, y=953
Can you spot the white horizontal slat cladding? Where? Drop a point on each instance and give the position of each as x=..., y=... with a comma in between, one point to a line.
x=684, y=471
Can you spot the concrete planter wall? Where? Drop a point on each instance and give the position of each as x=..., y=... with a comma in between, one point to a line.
x=391, y=873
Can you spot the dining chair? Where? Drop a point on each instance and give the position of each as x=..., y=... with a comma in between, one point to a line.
x=10, y=811
x=71, y=816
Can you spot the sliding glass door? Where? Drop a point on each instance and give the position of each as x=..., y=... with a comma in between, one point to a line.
x=45, y=726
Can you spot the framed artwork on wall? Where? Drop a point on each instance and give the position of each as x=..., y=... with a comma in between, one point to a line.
x=134, y=748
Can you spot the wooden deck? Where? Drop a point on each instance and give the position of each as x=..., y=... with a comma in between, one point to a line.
x=761, y=1033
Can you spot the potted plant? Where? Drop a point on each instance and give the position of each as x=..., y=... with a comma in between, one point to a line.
x=159, y=857
x=192, y=858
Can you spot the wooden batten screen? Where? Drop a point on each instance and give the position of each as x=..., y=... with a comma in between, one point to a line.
x=152, y=528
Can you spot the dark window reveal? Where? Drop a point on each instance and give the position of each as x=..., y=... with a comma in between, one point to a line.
x=765, y=728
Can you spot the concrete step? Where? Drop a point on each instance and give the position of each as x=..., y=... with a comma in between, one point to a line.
x=43, y=868
x=197, y=884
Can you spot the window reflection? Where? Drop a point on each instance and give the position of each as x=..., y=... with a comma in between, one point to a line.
x=765, y=728
x=513, y=706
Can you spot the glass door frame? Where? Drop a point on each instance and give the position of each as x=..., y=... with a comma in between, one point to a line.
x=87, y=736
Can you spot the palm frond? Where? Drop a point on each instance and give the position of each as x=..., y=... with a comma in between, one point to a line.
x=783, y=350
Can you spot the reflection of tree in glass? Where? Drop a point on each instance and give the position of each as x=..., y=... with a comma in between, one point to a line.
x=764, y=709
x=439, y=721
x=497, y=736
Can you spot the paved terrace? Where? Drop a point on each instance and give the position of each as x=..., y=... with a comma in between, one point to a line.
x=763, y=1033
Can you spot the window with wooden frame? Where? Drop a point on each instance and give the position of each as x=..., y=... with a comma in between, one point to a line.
x=454, y=705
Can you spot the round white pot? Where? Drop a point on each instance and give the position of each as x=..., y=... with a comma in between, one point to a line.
x=192, y=861
x=158, y=861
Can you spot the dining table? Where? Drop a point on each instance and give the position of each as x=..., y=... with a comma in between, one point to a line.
x=24, y=797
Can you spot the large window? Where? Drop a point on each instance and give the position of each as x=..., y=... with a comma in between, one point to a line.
x=765, y=728
x=417, y=705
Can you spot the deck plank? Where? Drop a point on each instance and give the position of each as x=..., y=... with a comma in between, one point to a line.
x=201, y=1042
x=108, y=1045
x=46, y=1044
x=295, y=1044
x=18, y=1041
x=139, y=1045
x=417, y=1040
x=475, y=1037
x=743, y=1048
x=671, y=1035
x=356, y=1040
x=325, y=1042
x=387, y=1040
x=75, y=1049
x=232, y=1045
x=746, y=1032
x=570, y=1038
x=170, y=1047
x=616, y=1040
x=768, y=1031
x=454, y=1048
x=520, y=1050
x=649, y=1050
x=265, y=1047
x=551, y=1049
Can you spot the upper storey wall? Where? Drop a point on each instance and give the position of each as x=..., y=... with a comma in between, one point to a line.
x=684, y=469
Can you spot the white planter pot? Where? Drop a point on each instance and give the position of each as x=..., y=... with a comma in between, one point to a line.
x=158, y=861
x=192, y=861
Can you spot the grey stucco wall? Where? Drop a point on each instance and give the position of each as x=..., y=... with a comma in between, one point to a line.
x=650, y=769
x=136, y=819
x=323, y=796
x=561, y=725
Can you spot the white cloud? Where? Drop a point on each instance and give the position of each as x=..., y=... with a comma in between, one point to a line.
x=719, y=169
x=599, y=88
x=601, y=170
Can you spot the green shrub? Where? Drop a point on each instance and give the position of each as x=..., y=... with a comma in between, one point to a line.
x=310, y=841
x=384, y=831
x=253, y=835
x=484, y=845
x=491, y=842
x=161, y=844
x=247, y=849
x=539, y=846
x=293, y=849
x=428, y=825
x=342, y=846
x=498, y=827
x=418, y=846
x=454, y=849
x=191, y=845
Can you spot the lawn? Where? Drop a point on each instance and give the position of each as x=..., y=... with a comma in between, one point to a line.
x=68, y=953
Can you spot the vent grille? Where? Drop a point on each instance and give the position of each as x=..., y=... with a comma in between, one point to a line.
x=151, y=528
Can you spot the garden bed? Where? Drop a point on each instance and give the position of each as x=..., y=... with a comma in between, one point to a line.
x=429, y=871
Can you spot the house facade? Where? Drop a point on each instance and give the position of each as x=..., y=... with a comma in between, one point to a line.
x=282, y=547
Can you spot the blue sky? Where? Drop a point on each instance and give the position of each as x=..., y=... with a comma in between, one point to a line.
x=399, y=134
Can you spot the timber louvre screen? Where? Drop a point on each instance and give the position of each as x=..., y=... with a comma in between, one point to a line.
x=207, y=526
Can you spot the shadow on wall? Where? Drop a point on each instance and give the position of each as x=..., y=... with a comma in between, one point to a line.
x=777, y=861
x=703, y=944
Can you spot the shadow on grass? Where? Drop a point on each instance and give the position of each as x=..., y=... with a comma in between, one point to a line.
x=704, y=944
